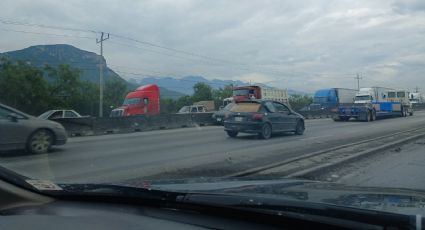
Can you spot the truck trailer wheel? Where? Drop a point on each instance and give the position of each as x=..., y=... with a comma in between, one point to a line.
x=403, y=112
x=373, y=115
x=368, y=116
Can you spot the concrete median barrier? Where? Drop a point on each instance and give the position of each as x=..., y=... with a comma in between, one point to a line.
x=78, y=126
x=316, y=114
x=107, y=125
x=418, y=106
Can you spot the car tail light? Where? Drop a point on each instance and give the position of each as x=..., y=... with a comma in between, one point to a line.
x=257, y=117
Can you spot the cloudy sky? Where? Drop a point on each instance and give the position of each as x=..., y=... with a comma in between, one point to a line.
x=302, y=45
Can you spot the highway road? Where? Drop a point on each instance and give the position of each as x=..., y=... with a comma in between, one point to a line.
x=189, y=152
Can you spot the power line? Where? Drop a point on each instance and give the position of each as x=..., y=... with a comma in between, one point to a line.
x=11, y=22
x=174, y=50
x=49, y=34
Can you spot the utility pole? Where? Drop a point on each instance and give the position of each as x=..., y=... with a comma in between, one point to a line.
x=102, y=38
x=358, y=81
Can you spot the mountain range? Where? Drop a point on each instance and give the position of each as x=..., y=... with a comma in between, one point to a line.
x=88, y=62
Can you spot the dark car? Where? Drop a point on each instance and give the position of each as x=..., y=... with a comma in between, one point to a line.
x=220, y=115
x=22, y=131
x=263, y=117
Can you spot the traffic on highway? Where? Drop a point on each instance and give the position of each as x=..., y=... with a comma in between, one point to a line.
x=222, y=115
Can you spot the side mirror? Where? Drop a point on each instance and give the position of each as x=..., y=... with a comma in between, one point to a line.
x=13, y=117
x=145, y=101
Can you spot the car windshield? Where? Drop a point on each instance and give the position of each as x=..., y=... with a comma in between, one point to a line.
x=131, y=101
x=240, y=92
x=326, y=93
x=185, y=109
x=228, y=106
x=45, y=115
x=363, y=98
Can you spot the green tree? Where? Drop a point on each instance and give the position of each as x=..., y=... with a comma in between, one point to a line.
x=202, y=92
x=221, y=93
x=183, y=101
x=114, y=94
x=64, y=86
x=88, y=102
x=23, y=87
x=168, y=106
x=300, y=101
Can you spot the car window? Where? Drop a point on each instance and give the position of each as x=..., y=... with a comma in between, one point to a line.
x=55, y=115
x=70, y=114
x=280, y=107
x=269, y=106
x=245, y=107
x=4, y=113
x=194, y=110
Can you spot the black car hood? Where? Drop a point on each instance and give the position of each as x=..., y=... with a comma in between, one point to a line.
x=404, y=201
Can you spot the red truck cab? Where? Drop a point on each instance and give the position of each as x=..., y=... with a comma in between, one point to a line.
x=246, y=92
x=143, y=101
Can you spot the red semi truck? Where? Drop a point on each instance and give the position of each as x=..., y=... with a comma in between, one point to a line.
x=143, y=101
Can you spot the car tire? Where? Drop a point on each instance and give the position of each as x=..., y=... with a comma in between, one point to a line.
x=232, y=133
x=40, y=141
x=266, y=131
x=299, y=129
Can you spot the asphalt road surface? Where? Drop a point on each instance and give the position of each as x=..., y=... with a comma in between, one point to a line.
x=189, y=152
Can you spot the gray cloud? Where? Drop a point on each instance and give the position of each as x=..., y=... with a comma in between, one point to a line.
x=408, y=6
x=293, y=44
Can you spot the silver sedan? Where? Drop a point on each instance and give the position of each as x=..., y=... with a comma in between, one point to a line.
x=22, y=131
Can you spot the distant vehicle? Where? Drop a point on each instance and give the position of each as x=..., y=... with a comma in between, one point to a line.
x=330, y=99
x=416, y=98
x=242, y=93
x=55, y=114
x=192, y=109
x=208, y=105
x=263, y=117
x=220, y=115
x=22, y=131
x=143, y=101
x=375, y=102
x=227, y=101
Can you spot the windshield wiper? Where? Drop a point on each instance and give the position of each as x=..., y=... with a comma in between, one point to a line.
x=303, y=210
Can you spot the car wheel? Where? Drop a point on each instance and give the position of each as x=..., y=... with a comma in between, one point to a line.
x=299, y=130
x=40, y=141
x=266, y=131
x=232, y=133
